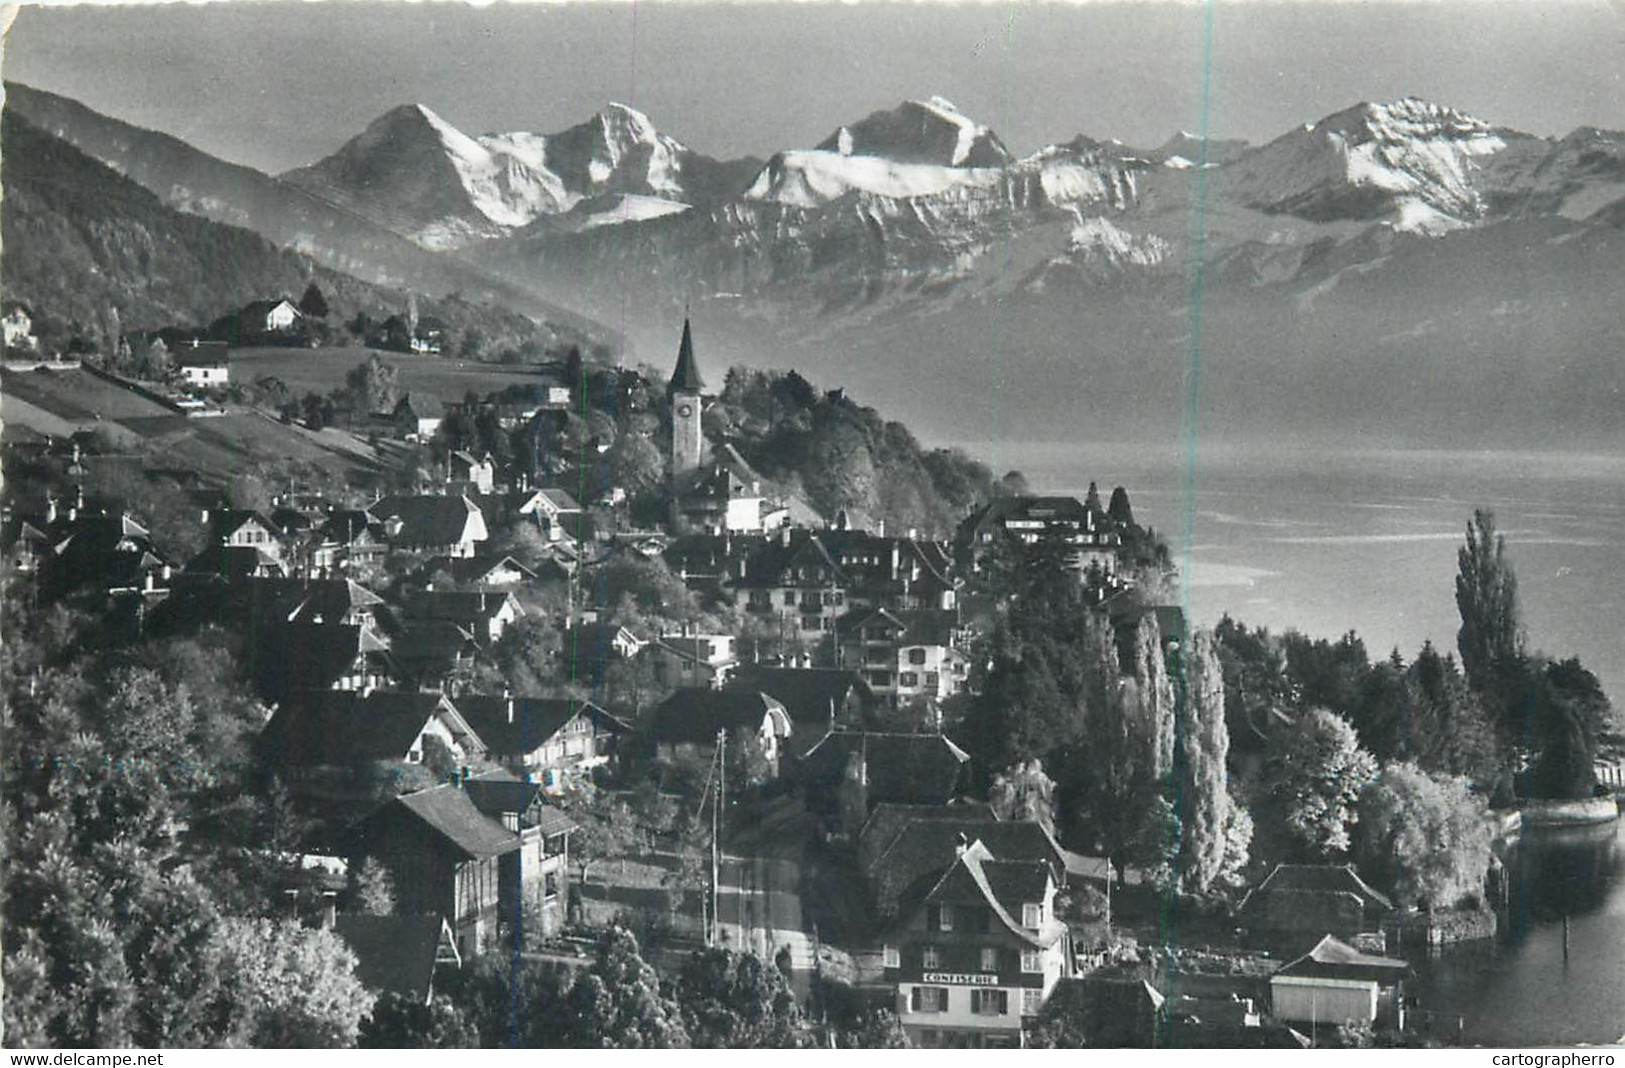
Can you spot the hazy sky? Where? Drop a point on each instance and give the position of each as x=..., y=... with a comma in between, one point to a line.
x=277, y=85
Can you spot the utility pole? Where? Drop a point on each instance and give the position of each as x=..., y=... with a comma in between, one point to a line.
x=716, y=837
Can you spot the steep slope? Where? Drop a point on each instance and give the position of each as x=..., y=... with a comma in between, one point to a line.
x=195, y=182
x=415, y=173
x=80, y=239
x=412, y=171
x=1415, y=165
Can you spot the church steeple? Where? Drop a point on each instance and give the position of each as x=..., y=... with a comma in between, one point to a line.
x=687, y=420
x=685, y=377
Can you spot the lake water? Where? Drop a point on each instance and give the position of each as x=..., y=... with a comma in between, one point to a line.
x=1520, y=989
x=1366, y=539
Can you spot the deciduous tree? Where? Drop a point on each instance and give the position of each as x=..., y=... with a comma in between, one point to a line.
x=1425, y=837
x=1313, y=775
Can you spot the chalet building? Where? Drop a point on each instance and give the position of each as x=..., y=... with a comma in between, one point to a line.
x=110, y=552
x=234, y=563
x=903, y=574
x=26, y=545
x=1295, y=901
x=349, y=541
x=555, y=512
x=343, y=730
x=812, y=578
x=271, y=322
x=445, y=857
x=881, y=767
x=691, y=660
x=428, y=336
x=399, y=954
x=1083, y=537
x=203, y=364
x=817, y=699
x=727, y=495
x=535, y=878
x=245, y=529
x=589, y=648
x=906, y=655
x=429, y=655
x=901, y=843
x=479, y=473
x=17, y=326
x=446, y=526
x=485, y=613
x=976, y=949
x=417, y=418
x=557, y=741
x=322, y=602
x=792, y=577
x=486, y=572
x=1335, y=985
x=700, y=560
x=686, y=724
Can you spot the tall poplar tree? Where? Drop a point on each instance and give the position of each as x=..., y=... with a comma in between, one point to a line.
x=1208, y=814
x=1491, y=636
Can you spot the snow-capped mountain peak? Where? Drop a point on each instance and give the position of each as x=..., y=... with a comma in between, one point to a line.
x=1416, y=164
x=931, y=131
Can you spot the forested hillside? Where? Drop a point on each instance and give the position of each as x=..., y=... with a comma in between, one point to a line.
x=843, y=456
x=80, y=240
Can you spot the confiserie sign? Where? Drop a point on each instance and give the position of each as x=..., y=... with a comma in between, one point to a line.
x=961, y=978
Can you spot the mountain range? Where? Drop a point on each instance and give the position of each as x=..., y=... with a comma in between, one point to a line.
x=1393, y=271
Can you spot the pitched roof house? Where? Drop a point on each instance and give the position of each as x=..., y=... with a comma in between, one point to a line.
x=399, y=954
x=484, y=613
x=818, y=699
x=1335, y=984
x=558, y=738
x=976, y=948
x=445, y=858
x=916, y=769
x=897, y=847
x=688, y=721
x=1306, y=898
x=332, y=729
x=450, y=525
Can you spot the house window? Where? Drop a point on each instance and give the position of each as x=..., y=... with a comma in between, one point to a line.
x=880, y=678
x=990, y=1002
x=1032, y=915
x=1032, y=999
x=930, y=957
x=916, y=656
x=940, y=918
x=1032, y=961
x=990, y=959
x=790, y=597
x=933, y=679
x=908, y=678
x=812, y=623
x=892, y=956
x=760, y=599
x=929, y=999
x=550, y=886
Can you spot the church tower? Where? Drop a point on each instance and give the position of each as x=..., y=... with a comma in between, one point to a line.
x=687, y=442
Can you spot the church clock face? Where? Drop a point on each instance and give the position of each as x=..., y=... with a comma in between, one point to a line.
x=684, y=410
